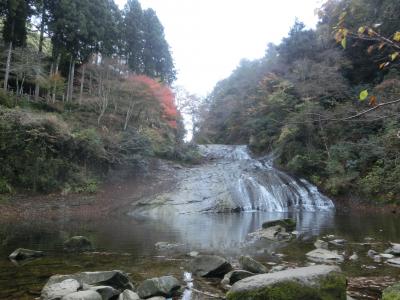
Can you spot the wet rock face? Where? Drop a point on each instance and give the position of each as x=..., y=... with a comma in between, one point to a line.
x=316, y=282
x=210, y=266
x=231, y=180
x=162, y=286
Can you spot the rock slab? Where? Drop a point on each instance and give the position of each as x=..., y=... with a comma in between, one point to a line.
x=251, y=265
x=324, y=256
x=315, y=282
x=161, y=286
x=210, y=266
x=83, y=295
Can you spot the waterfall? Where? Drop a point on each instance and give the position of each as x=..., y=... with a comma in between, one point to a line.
x=229, y=180
x=257, y=185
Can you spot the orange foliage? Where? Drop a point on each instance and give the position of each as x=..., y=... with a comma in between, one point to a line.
x=162, y=94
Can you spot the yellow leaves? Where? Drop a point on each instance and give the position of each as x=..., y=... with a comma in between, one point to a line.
x=344, y=43
x=340, y=37
x=396, y=36
x=394, y=55
x=371, y=32
x=363, y=95
x=361, y=30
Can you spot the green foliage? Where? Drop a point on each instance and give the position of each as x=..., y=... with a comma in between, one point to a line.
x=297, y=100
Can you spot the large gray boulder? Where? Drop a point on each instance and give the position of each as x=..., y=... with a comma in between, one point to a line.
x=235, y=276
x=251, y=265
x=106, y=292
x=161, y=286
x=316, y=282
x=324, y=256
x=128, y=295
x=274, y=233
x=210, y=266
x=56, y=289
x=321, y=244
x=21, y=254
x=58, y=284
x=78, y=244
x=83, y=295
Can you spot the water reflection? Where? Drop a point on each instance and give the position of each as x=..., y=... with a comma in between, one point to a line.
x=228, y=232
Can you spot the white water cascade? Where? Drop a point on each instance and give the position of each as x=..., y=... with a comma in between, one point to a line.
x=231, y=180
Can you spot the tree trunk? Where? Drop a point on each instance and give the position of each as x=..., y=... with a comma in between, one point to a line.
x=71, y=91
x=69, y=79
x=82, y=83
x=41, y=40
x=8, y=65
x=55, y=82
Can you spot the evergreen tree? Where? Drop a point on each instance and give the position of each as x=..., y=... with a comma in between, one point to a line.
x=156, y=56
x=133, y=32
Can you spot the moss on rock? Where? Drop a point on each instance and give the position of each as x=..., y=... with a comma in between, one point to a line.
x=331, y=287
x=392, y=292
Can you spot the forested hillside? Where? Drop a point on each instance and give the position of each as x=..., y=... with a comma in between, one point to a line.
x=325, y=101
x=85, y=88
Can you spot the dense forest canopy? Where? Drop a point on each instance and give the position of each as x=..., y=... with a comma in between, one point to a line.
x=326, y=101
x=86, y=87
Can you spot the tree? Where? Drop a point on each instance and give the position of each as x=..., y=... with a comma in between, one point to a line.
x=157, y=57
x=134, y=36
x=16, y=13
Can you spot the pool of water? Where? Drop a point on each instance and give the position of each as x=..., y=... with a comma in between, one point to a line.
x=128, y=243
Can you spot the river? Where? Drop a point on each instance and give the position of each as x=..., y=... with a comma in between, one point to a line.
x=211, y=210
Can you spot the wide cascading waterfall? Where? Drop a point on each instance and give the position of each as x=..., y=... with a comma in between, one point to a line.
x=231, y=180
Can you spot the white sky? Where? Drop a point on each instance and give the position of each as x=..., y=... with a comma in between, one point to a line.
x=208, y=38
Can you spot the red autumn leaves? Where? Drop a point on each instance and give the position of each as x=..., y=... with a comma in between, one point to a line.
x=164, y=96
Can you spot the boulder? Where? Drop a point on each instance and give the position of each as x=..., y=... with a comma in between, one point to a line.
x=210, y=266
x=128, y=295
x=274, y=233
x=372, y=253
x=115, y=279
x=386, y=255
x=234, y=276
x=251, y=265
x=58, y=289
x=394, y=262
x=324, y=256
x=320, y=244
x=106, y=292
x=162, y=286
x=353, y=257
x=83, y=295
x=394, y=249
x=21, y=254
x=157, y=298
x=316, y=282
x=392, y=292
x=78, y=244
x=338, y=242
x=288, y=224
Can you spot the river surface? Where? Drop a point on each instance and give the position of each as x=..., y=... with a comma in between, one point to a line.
x=189, y=220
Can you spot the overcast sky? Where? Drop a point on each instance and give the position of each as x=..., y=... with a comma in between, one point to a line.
x=208, y=38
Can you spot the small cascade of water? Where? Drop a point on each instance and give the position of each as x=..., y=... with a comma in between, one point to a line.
x=257, y=185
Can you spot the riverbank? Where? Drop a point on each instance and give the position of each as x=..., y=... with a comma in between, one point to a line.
x=113, y=197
